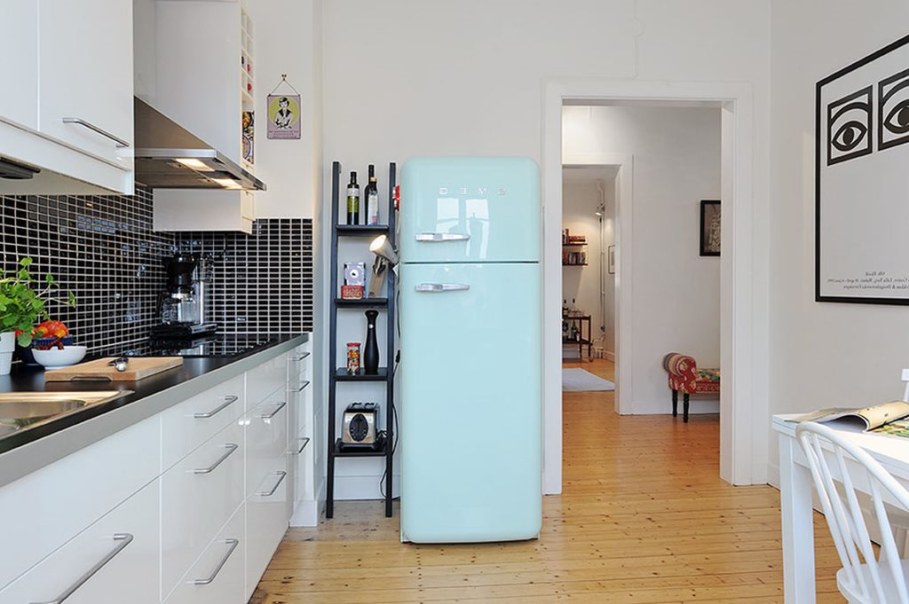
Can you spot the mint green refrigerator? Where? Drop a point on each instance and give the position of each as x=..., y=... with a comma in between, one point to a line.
x=471, y=365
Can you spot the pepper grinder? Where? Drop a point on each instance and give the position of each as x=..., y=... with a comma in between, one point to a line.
x=371, y=351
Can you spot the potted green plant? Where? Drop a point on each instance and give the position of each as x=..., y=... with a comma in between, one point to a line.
x=23, y=300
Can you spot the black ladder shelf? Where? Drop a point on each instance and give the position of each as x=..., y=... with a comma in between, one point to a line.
x=339, y=375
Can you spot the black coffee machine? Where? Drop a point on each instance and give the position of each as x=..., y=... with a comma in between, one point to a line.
x=182, y=307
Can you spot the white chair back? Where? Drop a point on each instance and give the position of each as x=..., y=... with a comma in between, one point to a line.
x=837, y=466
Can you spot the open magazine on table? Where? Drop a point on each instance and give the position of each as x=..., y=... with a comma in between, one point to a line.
x=885, y=418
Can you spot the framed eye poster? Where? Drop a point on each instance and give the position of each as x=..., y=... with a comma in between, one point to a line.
x=862, y=180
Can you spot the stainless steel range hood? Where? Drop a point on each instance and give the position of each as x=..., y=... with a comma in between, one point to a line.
x=170, y=157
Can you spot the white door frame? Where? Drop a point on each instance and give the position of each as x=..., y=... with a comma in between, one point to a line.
x=743, y=451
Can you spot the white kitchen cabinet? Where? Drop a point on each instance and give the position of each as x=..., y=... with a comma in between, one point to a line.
x=198, y=495
x=224, y=499
x=19, y=39
x=182, y=210
x=87, y=77
x=266, y=484
x=306, y=460
x=217, y=577
x=113, y=560
x=72, y=114
x=265, y=380
x=189, y=424
x=52, y=505
x=211, y=92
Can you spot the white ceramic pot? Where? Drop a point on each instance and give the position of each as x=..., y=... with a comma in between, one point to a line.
x=7, y=347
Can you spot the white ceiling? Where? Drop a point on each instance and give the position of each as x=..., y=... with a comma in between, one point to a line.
x=588, y=174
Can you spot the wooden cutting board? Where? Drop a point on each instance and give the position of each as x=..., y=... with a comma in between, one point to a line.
x=101, y=370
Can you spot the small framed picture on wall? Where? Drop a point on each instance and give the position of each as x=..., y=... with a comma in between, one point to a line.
x=710, y=227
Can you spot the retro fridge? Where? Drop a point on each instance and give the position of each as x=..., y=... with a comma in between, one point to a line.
x=471, y=363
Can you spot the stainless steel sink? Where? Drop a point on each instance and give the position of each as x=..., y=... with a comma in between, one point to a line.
x=23, y=410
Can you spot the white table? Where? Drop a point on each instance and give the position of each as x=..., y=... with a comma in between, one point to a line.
x=795, y=498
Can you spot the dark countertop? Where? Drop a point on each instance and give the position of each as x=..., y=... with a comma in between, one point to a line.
x=28, y=450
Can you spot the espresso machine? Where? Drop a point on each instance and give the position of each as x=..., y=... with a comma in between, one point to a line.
x=182, y=306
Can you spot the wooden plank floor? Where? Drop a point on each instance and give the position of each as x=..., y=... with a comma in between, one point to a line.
x=643, y=518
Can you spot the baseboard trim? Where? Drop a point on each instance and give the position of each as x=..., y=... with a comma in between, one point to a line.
x=308, y=511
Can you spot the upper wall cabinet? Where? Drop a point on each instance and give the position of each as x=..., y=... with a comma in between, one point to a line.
x=71, y=115
x=204, y=77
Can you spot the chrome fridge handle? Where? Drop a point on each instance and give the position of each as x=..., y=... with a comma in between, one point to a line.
x=124, y=539
x=433, y=288
x=437, y=237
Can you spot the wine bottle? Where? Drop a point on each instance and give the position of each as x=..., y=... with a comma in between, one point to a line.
x=371, y=195
x=353, y=200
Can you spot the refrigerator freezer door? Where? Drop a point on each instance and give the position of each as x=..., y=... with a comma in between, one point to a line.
x=482, y=209
x=470, y=402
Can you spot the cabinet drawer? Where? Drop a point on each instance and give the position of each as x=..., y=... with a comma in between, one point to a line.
x=263, y=380
x=267, y=483
x=217, y=577
x=50, y=506
x=266, y=440
x=192, y=422
x=198, y=495
x=266, y=519
x=114, y=560
x=87, y=78
x=299, y=368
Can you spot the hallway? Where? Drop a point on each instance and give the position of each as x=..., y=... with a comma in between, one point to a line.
x=643, y=517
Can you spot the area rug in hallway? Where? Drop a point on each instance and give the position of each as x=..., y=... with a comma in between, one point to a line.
x=579, y=380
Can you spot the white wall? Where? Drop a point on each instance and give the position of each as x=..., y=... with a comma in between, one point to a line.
x=286, y=43
x=822, y=354
x=405, y=78
x=676, y=291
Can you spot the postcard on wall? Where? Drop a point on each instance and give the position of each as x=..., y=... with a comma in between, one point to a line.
x=862, y=127
x=283, y=116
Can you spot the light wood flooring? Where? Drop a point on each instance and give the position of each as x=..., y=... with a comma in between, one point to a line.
x=643, y=518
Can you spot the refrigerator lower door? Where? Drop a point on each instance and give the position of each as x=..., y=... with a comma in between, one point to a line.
x=470, y=408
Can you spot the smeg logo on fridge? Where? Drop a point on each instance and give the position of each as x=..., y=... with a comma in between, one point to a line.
x=474, y=191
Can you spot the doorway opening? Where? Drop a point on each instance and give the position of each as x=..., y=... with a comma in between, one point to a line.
x=743, y=458
x=588, y=267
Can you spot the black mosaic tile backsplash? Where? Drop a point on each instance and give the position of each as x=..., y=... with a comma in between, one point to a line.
x=104, y=250
x=263, y=281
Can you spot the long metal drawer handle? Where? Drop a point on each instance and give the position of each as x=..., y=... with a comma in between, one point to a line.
x=124, y=540
x=436, y=237
x=78, y=120
x=231, y=447
x=228, y=401
x=441, y=287
x=281, y=474
x=305, y=441
x=231, y=546
x=300, y=358
x=303, y=385
x=273, y=413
